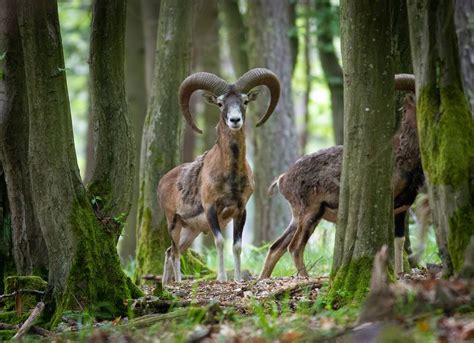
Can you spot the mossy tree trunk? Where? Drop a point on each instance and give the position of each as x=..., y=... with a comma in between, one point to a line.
x=80, y=229
x=445, y=126
x=365, y=216
x=161, y=144
x=28, y=243
x=135, y=86
x=275, y=144
x=326, y=24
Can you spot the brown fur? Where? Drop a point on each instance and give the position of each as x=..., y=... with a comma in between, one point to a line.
x=220, y=181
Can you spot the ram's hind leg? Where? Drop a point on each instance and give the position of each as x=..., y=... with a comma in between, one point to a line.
x=399, y=242
x=277, y=249
x=301, y=238
x=168, y=268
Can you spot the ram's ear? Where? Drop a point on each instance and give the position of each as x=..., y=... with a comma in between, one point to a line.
x=210, y=98
x=253, y=95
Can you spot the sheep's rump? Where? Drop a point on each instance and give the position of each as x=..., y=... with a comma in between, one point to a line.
x=317, y=173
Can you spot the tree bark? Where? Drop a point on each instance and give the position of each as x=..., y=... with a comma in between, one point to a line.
x=7, y=264
x=137, y=101
x=445, y=126
x=365, y=215
x=28, y=243
x=325, y=19
x=84, y=268
x=463, y=19
x=113, y=136
x=276, y=143
x=237, y=35
x=150, y=14
x=161, y=144
x=308, y=77
x=206, y=57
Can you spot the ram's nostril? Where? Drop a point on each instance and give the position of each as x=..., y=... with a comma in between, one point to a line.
x=235, y=120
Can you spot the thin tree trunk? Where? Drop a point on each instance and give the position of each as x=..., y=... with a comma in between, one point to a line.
x=445, y=125
x=365, y=215
x=308, y=78
x=206, y=57
x=150, y=14
x=113, y=136
x=276, y=143
x=237, y=35
x=161, y=144
x=79, y=230
x=464, y=19
x=28, y=243
x=137, y=102
x=325, y=19
x=7, y=264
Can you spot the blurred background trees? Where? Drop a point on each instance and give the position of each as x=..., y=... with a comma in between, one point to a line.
x=221, y=44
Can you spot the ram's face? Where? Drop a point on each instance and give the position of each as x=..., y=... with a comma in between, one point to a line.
x=233, y=106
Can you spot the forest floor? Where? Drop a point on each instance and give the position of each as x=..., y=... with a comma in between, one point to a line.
x=285, y=309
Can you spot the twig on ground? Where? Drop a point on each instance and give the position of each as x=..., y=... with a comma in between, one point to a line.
x=29, y=322
x=21, y=291
x=4, y=326
x=40, y=331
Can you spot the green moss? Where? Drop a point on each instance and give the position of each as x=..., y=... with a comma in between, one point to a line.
x=96, y=282
x=350, y=283
x=446, y=135
x=15, y=283
x=6, y=335
x=152, y=245
x=11, y=317
x=461, y=226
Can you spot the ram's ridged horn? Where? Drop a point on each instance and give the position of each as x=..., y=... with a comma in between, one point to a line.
x=205, y=81
x=405, y=82
x=261, y=77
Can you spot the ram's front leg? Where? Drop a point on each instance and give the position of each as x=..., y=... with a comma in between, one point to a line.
x=213, y=221
x=239, y=223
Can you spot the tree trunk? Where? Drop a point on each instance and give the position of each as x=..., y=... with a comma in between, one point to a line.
x=308, y=77
x=237, y=35
x=445, y=125
x=161, y=144
x=206, y=57
x=7, y=264
x=365, y=215
x=28, y=243
x=325, y=19
x=150, y=14
x=463, y=19
x=137, y=102
x=114, y=151
x=80, y=231
x=275, y=143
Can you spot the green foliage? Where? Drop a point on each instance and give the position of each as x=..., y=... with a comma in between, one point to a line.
x=11, y=317
x=5, y=335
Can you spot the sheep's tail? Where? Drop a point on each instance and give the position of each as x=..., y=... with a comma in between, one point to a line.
x=274, y=184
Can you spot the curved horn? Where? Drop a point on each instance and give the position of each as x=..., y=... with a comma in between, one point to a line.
x=257, y=77
x=205, y=81
x=405, y=82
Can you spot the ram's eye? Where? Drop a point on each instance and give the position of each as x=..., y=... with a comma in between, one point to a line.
x=246, y=102
x=220, y=104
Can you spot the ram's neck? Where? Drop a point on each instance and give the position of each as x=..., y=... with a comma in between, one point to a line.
x=231, y=145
